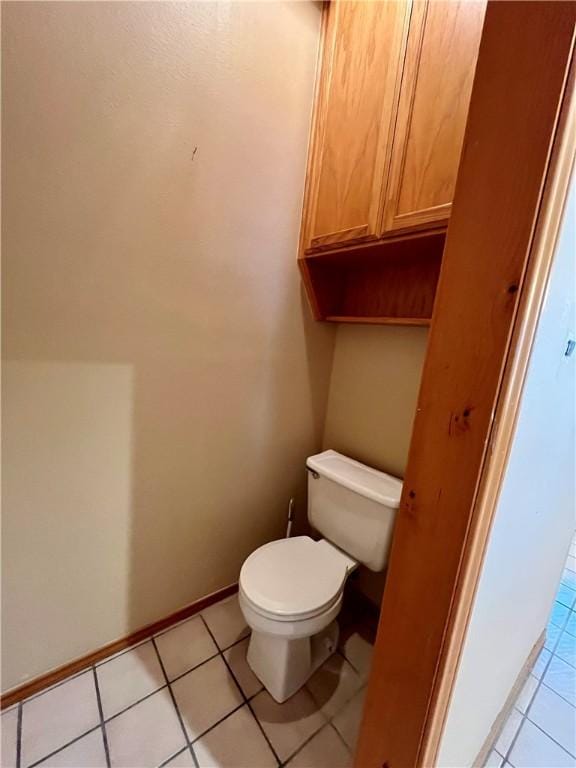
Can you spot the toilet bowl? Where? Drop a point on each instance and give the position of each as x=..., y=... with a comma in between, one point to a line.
x=290, y=593
x=290, y=590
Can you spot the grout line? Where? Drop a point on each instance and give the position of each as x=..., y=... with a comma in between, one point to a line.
x=242, y=694
x=64, y=746
x=550, y=737
x=101, y=713
x=525, y=715
x=227, y=648
x=196, y=739
x=160, y=688
x=172, y=757
x=192, y=669
x=556, y=692
x=19, y=736
x=291, y=756
x=178, y=624
x=135, y=703
x=173, y=697
x=331, y=723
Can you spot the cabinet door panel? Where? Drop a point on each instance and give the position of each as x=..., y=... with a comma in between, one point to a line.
x=351, y=142
x=435, y=94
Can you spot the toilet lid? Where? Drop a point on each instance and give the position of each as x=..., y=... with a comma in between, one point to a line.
x=294, y=577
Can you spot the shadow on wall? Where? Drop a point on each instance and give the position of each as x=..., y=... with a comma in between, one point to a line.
x=164, y=381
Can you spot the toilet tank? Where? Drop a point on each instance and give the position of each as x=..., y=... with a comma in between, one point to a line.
x=353, y=506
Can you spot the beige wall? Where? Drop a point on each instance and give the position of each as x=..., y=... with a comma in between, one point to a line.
x=373, y=394
x=163, y=382
x=533, y=526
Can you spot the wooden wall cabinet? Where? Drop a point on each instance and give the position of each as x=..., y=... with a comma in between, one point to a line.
x=353, y=125
x=392, y=101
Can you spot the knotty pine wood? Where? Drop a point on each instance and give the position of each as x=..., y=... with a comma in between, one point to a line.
x=505, y=418
x=514, y=110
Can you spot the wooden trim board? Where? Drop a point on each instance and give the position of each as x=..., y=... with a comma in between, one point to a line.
x=505, y=419
x=512, y=125
x=504, y=713
x=66, y=670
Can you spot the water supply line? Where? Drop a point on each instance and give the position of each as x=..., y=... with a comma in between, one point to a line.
x=290, y=518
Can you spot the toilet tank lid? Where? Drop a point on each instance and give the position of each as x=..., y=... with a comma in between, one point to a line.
x=369, y=482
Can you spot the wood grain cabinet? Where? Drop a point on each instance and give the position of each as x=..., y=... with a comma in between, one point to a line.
x=354, y=121
x=392, y=97
x=438, y=72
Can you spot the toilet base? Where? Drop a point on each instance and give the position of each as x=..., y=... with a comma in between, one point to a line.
x=283, y=664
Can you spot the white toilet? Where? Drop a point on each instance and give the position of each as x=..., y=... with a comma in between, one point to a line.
x=291, y=589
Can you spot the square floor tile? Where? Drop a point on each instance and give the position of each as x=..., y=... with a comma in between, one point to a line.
x=566, y=595
x=552, y=635
x=56, y=717
x=325, y=750
x=569, y=578
x=226, y=621
x=554, y=716
x=533, y=749
x=9, y=738
x=526, y=694
x=288, y=725
x=508, y=732
x=185, y=646
x=334, y=684
x=559, y=614
x=347, y=721
x=206, y=695
x=182, y=760
x=236, y=742
x=561, y=677
x=87, y=752
x=494, y=760
x=129, y=677
x=236, y=658
x=566, y=648
x=359, y=651
x=541, y=663
x=147, y=734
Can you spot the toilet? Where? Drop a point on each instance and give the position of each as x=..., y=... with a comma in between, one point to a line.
x=290, y=590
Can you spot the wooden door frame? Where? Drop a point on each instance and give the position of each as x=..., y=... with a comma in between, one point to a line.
x=516, y=161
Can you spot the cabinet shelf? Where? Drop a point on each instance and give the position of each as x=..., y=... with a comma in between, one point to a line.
x=388, y=283
x=414, y=321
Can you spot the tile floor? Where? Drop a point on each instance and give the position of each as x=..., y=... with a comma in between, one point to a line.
x=188, y=698
x=541, y=730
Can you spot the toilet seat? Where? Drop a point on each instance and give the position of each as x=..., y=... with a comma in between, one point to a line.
x=294, y=579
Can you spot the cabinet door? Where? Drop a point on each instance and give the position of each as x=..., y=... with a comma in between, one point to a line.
x=351, y=139
x=435, y=94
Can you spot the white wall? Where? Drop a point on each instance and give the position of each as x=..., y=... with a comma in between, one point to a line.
x=163, y=380
x=533, y=526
